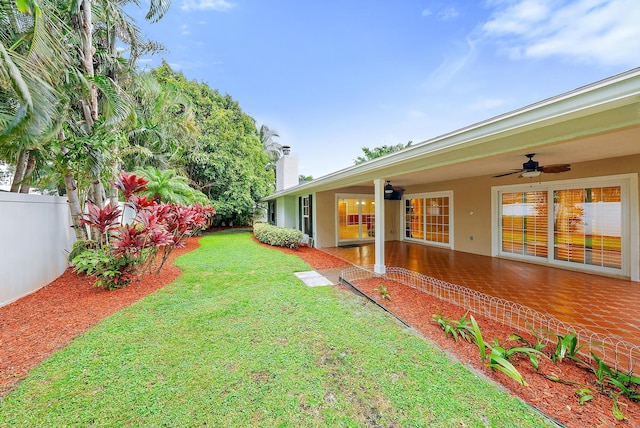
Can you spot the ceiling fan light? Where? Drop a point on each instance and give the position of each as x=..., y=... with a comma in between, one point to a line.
x=531, y=174
x=388, y=188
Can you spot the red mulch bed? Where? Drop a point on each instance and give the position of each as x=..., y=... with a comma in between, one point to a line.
x=35, y=326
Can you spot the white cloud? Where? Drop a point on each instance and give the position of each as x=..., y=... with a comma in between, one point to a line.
x=447, y=14
x=451, y=65
x=218, y=5
x=588, y=31
x=185, y=30
x=442, y=15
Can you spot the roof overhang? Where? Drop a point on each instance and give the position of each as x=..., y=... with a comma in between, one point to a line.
x=576, y=126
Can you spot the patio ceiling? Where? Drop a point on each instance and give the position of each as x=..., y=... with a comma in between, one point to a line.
x=603, y=146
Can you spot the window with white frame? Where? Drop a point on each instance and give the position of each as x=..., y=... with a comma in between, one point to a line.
x=427, y=218
x=575, y=223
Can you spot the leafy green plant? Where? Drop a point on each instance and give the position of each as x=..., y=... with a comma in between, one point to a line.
x=584, y=395
x=624, y=382
x=476, y=335
x=615, y=409
x=508, y=353
x=540, y=339
x=383, y=292
x=111, y=271
x=497, y=361
x=567, y=347
x=460, y=328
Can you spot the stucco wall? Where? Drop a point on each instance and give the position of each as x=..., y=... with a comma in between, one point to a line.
x=472, y=197
x=326, y=216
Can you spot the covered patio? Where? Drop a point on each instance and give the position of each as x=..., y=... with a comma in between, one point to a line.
x=598, y=303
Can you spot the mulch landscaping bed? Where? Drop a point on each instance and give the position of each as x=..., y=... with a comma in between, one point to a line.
x=35, y=326
x=32, y=328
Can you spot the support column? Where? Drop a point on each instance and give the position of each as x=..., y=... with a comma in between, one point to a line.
x=379, y=266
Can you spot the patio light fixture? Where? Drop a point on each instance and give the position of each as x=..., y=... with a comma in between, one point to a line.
x=531, y=174
x=388, y=188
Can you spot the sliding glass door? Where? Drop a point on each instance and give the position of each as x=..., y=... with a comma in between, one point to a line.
x=573, y=225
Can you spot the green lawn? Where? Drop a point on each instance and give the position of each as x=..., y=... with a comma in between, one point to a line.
x=238, y=340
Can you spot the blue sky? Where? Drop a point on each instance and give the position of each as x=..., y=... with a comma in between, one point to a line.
x=334, y=76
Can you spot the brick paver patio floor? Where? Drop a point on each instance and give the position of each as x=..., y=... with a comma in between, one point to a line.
x=598, y=303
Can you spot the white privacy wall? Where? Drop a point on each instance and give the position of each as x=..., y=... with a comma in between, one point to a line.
x=35, y=237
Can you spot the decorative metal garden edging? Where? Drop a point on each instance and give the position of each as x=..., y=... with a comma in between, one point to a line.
x=618, y=353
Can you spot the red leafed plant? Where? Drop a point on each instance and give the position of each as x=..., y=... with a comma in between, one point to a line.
x=104, y=219
x=130, y=184
x=128, y=250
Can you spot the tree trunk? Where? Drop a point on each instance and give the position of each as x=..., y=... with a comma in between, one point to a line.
x=87, y=57
x=21, y=167
x=71, y=186
x=25, y=186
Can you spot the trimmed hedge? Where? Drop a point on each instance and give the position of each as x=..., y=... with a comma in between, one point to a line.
x=278, y=236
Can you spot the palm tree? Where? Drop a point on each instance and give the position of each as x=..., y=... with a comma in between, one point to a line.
x=167, y=186
x=272, y=148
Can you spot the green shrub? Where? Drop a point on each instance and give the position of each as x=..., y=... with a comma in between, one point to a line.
x=111, y=271
x=277, y=236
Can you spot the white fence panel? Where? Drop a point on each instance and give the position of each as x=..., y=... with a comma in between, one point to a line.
x=35, y=237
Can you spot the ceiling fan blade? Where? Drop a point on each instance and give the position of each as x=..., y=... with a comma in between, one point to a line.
x=553, y=169
x=515, y=171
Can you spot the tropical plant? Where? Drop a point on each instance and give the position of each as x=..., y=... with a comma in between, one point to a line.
x=540, y=343
x=168, y=186
x=567, y=347
x=383, y=292
x=127, y=250
x=452, y=328
x=509, y=352
x=584, y=395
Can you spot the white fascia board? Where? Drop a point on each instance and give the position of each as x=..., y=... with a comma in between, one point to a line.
x=616, y=91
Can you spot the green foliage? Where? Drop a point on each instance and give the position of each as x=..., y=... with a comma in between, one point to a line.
x=509, y=352
x=584, y=395
x=227, y=163
x=455, y=329
x=377, y=152
x=497, y=361
x=277, y=236
x=79, y=247
x=567, y=347
x=474, y=329
x=383, y=292
x=539, y=344
x=605, y=375
x=167, y=186
x=111, y=271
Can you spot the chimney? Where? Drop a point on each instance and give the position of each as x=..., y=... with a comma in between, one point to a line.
x=286, y=170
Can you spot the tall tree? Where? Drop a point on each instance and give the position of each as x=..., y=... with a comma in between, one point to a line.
x=377, y=152
x=227, y=162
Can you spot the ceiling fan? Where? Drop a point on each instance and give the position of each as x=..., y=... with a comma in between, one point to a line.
x=531, y=168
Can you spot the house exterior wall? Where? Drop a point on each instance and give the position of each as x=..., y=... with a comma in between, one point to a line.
x=287, y=212
x=472, y=196
x=36, y=238
x=325, y=220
